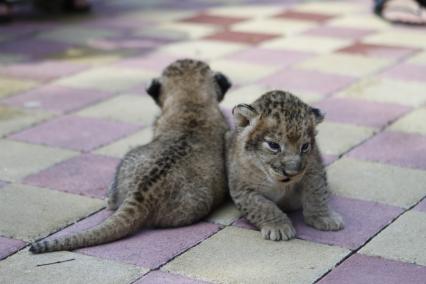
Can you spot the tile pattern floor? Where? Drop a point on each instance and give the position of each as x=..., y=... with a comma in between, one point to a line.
x=72, y=102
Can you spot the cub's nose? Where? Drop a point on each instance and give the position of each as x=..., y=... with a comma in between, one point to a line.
x=290, y=173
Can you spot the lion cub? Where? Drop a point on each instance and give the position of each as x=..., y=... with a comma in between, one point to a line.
x=179, y=177
x=274, y=164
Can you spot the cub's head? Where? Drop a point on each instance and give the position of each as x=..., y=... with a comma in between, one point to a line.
x=278, y=134
x=188, y=79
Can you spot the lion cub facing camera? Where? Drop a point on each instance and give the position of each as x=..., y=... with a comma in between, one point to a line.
x=274, y=164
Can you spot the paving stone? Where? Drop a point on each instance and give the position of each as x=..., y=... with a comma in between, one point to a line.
x=378, y=51
x=396, y=148
x=421, y=206
x=388, y=91
x=377, y=182
x=247, y=94
x=13, y=119
x=412, y=122
x=362, y=221
x=252, y=11
x=33, y=47
x=359, y=269
x=337, y=138
x=337, y=32
x=232, y=69
x=305, y=16
x=360, y=112
x=360, y=21
x=56, y=98
x=45, y=70
x=267, y=56
x=87, y=174
x=296, y=80
x=419, y=58
x=408, y=72
x=29, y=213
x=342, y=64
x=87, y=56
x=202, y=49
x=76, y=35
x=313, y=44
x=404, y=240
x=160, y=277
x=156, y=62
x=211, y=19
x=9, y=246
x=225, y=214
x=10, y=86
x=108, y=79
x=78, y=133
x=73, y=268
x=331, y=8
x=149, y=248
x=284, y=27
x=187, y=30
x=242, y=37
x=232, y=255
x=134, y=109
x=403, y=37
x=21, y=159
x=121, y=147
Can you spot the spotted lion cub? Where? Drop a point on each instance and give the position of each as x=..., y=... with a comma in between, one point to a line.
x=274, y=164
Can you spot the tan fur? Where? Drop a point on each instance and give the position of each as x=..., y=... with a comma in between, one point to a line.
x=264, y=182
x=179, y=177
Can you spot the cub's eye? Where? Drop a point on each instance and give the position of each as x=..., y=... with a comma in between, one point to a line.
x=273, y=146
x=305, y=148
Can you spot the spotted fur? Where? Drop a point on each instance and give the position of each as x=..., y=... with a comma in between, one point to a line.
x=179, y=177
x=274, y=165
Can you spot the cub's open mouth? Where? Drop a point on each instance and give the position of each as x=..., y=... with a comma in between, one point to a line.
x=286, y=179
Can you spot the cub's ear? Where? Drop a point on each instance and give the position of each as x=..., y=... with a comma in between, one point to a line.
x=224, y=84
x=154, y=89
x=318, y=115
x=243, y=114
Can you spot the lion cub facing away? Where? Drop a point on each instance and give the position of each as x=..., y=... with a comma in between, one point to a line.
x=274, y=164
x=179, y=177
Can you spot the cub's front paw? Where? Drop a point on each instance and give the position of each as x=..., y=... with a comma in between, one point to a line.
x=331, y=222
x=278, y=232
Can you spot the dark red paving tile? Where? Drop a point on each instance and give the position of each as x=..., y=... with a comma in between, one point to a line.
x=242, y=37
x=148, y=248
x=362, y=219
x=160, y=277
x=9, y=246
x=359, y=112
x=375, y=50
x=362, y=269
x=205, y=18
x=407, y=72
x=305, y=16
x=87, y=174
x=339, y=32
x=56, y=98
x=307, y=81
x=78, y=133
x=400, y=149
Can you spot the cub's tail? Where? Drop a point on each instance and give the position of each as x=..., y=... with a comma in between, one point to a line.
x=126, y=220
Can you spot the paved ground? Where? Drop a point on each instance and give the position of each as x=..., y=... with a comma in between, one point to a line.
x=72, y=102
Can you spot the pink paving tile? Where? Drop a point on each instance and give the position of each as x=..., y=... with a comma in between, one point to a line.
x=148, y=248
x=361, y=269
x=400, y=149
x=56, y=98
x=205, y=18
x=328, y=159
x=160, y=277
x=409, y=72
x=375, y=50
x=33, y=47
x=263, y=56
x=305, y=16
x=360, y=112
x=156, y=62
x=9, y=246
x=78, y=133
x=421, y=206
x=362, y=219
x=43, y=71
x=338, y=32
x=242, y=37
x=86, y=175
x=308, y=81
x=2, y=183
